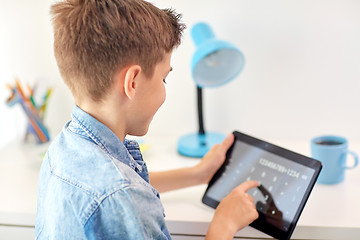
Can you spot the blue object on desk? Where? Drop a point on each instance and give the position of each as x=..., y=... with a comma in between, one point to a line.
x=214, y=63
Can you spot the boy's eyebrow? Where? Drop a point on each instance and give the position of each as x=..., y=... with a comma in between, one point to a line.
x=169, y=71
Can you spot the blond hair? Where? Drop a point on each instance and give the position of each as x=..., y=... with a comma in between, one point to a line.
x=95, y=38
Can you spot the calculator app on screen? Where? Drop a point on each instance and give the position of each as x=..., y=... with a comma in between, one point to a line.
x=282, y=183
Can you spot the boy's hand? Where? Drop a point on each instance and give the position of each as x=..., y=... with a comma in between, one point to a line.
x=235, y=211
x=190, y=176
x=212, y=161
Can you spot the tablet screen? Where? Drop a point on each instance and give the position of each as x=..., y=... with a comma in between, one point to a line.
x=285, y=181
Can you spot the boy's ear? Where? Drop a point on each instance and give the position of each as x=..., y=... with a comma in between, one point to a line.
x=130, y=83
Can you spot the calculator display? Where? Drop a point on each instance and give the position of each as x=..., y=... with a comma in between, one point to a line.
x=283, y=183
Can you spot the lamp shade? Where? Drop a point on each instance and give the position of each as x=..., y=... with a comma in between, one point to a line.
x=215, y=62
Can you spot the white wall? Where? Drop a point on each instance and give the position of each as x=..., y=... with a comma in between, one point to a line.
x=302, y=73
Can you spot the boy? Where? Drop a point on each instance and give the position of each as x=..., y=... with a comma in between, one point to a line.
x=114, y=55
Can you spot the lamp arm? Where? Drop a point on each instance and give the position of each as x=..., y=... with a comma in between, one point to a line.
x=200, y=111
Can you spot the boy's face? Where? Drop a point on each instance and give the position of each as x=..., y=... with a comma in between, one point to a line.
x=150, y=95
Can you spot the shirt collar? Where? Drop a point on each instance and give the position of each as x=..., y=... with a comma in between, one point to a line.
x=101, y=135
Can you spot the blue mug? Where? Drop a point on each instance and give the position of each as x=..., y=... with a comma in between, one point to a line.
x=332, y=151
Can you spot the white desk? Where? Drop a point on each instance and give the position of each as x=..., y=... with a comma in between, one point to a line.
x=331, y=210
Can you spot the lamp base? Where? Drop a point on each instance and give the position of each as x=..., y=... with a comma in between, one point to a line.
x=197, y=145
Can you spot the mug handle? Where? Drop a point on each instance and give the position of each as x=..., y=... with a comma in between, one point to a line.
x=356, y=160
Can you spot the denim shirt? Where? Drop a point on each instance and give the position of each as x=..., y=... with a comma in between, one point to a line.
x=93, y=186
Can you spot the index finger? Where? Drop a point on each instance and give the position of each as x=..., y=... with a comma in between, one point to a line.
x=245, y=186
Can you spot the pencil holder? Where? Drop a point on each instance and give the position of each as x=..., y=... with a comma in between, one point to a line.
x=35, y=112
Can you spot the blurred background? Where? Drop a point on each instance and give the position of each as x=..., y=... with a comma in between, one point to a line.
x=301, y=77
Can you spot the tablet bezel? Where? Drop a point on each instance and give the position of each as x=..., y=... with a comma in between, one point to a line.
x=260, y=223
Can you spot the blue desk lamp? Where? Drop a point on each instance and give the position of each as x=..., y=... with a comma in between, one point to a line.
x=214, y=63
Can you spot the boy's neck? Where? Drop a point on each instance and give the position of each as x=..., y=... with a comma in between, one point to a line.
x=108, y=114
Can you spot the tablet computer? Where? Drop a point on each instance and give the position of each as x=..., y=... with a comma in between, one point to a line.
x=285, y=181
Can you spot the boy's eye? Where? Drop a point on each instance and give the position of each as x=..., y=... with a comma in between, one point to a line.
x=164, y=80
